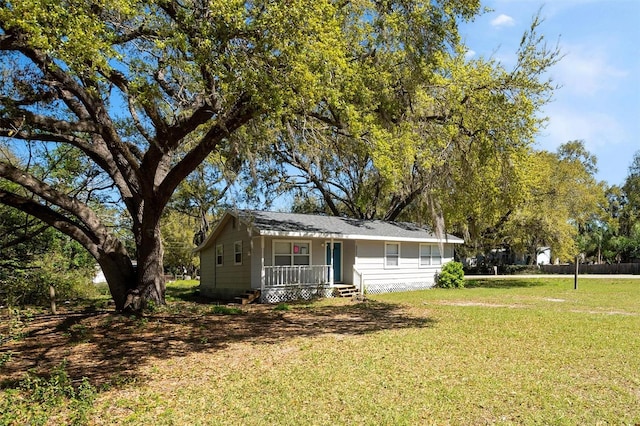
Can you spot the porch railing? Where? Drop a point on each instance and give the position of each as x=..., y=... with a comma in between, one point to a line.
x=282, y=276
x=358, y=280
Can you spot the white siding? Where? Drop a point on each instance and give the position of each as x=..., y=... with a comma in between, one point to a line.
x=348, y=259
x=407, y=275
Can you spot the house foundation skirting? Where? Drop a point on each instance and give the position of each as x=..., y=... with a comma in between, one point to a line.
x=294, y=292
x=392, y=287
x=302, y=292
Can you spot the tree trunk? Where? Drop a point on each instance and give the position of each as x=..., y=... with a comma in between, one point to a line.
x=120, y=275
x=150, y=283
x=533, y=256
x=132, y=287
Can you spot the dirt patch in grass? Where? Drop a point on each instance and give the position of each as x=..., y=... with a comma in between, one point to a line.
x=466, y=303
x=481, y=304
x=623, y=313
x=109, y=348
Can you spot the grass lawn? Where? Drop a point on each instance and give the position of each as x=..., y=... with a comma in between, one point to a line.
x=521, y=351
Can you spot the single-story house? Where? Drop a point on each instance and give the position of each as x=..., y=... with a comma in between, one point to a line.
x=290, y=256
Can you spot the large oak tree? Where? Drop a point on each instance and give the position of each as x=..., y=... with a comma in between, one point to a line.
x=145, y=91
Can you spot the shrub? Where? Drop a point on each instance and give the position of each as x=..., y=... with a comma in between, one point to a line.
x=282, y=307
x=37, y=400
x=15, y=324
x=25, y=278
x=5, y=358
x=225, y=310
x=451, y=276
x=520, y=269
x=29, y=285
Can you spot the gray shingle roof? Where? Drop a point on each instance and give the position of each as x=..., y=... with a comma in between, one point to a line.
x=293, y=224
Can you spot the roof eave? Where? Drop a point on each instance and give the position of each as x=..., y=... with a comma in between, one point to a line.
x=301, y=234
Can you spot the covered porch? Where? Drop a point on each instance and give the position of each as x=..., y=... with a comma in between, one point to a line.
x=301, y=282
x=300, y=269
x=294, y=282
x=313, y=275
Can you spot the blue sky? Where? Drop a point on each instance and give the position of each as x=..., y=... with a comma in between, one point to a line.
x=599, y=98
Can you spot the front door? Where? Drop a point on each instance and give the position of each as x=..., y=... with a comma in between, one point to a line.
x=337, y=260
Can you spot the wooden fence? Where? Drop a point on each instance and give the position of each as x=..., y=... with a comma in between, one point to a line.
x=614, y=268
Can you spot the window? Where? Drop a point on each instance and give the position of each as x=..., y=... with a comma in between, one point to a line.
x=287, y=253
x=237, y=253
x=392, y=254
x=282, y=253
x=436, y=258
x=219, y=255
x=425, y=254
x=430, y=255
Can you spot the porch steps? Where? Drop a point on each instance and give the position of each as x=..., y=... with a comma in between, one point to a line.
x=249, y=296
x=345, y=290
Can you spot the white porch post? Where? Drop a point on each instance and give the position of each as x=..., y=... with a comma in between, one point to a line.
x=262, y=274
x=331, y=265
x=355, y=267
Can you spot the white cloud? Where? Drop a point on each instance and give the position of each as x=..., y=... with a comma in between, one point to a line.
x=585, y=71
x=603, y=134
x=598, y=130
x=503, y=21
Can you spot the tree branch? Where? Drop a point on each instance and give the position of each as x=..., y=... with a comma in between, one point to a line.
x=91, y=222
x=26, y=236
x=92, y=105
x=97, y=152
x=241, y=113
x=48, y=124
x=60, y=222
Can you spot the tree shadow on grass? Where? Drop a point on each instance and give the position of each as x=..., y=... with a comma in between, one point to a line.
x=108, y=348
x=504, y=283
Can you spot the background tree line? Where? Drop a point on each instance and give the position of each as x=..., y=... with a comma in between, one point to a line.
x=559, y=204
